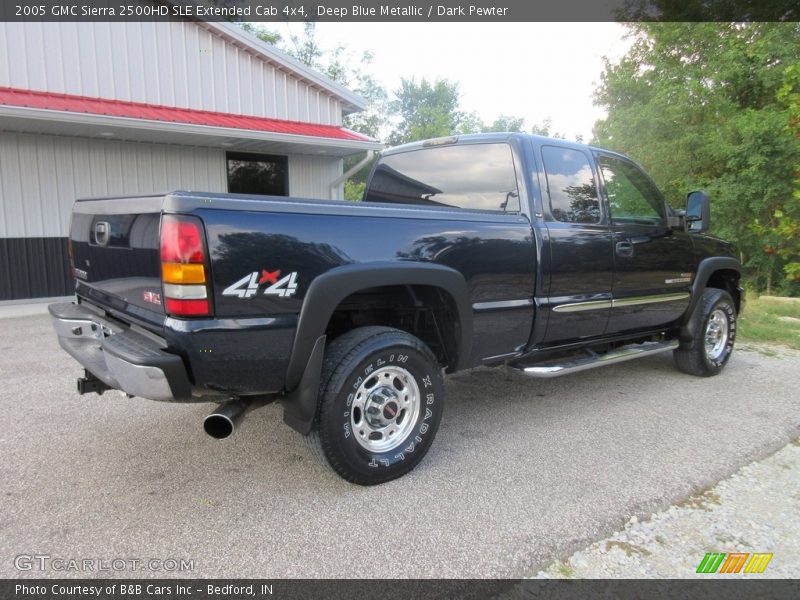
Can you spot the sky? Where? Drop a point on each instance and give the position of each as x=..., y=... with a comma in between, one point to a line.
x=531, y=70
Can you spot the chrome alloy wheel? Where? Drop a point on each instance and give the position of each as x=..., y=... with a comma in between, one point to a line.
x=717, y=333
x=384, y=409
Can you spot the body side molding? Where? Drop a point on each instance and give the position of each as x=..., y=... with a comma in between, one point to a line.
x=632, y=301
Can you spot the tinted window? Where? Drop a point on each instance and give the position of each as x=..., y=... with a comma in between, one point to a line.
x=257, y=174
x=632, y=197
x=478, y=176
x=571, y=185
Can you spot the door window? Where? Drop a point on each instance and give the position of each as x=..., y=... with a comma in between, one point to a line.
x=632, y=197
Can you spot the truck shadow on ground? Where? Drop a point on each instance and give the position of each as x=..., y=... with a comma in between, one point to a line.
x=483, y=404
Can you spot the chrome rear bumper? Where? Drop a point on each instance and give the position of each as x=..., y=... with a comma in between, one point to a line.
x=121, y=358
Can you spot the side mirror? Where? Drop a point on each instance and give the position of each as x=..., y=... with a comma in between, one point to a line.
x=698, y=212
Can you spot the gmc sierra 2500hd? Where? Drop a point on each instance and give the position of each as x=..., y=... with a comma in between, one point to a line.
x=547, y=256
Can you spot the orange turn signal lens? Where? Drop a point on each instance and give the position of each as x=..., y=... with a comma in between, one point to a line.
x=183, y=273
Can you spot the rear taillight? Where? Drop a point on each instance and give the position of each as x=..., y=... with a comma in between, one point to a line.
x=183, y=267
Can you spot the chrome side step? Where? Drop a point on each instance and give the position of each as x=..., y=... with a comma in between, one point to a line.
x=573, y=365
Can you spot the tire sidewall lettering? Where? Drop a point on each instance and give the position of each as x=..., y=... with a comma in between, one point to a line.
x=730, y=314
x=431, y=388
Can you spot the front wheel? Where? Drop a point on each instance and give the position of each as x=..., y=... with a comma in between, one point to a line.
x=713, y=332
x=381, y=400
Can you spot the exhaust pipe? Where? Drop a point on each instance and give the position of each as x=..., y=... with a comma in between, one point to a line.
x=221, y=423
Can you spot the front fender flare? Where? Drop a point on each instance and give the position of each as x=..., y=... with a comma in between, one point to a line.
x=704, y=271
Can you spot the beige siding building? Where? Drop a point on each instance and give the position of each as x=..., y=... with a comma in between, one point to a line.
x=106, y=109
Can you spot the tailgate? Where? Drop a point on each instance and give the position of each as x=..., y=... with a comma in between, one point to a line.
x=115, y=252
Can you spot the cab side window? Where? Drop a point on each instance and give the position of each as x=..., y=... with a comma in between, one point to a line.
x=570, y=185
x=632, y=197
x=469, y=176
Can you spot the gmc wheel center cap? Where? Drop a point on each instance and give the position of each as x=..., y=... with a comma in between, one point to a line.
x=390, y=411
x=382, y=407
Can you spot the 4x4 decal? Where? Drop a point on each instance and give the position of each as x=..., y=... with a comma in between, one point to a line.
x=248, y=286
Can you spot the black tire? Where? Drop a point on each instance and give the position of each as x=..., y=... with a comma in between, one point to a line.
x=713, y=317
x=412, y=409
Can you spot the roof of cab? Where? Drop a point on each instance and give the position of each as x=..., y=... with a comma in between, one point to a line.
x=493, y=137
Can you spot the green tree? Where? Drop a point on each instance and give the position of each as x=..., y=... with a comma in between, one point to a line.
x=545, y=128
x=305, y=47
x=265, y=35
x=788, y=219
x=471, y=123
x=505, y=123
x=425, y=110
x=697, y=104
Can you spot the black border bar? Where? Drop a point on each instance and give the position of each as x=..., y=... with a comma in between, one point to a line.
x=277, y=11
x=396, y=589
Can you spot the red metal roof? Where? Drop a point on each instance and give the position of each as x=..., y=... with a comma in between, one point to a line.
x=169, y=114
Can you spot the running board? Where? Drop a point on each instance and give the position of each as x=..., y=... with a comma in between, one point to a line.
x=553, y=369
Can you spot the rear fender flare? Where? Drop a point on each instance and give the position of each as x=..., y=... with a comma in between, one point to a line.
x=328, y=290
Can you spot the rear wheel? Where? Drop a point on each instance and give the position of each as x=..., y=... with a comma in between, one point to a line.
x=713, y=332
x=381, y=400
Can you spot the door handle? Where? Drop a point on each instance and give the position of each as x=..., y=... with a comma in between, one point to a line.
x=101, y=233
x=625, y=249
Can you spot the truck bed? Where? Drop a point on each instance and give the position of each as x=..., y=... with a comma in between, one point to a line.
x=279, y=236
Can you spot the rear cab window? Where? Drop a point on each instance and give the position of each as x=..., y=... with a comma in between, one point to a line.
x=468, y=176
x=571, y=185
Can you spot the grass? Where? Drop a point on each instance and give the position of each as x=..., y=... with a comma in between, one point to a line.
x=565, y=570
x=770, y=321
x=627, y=548
x=704, y=500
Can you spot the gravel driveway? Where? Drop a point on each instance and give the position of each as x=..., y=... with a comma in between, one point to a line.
x=522, y=471
x=755, y=511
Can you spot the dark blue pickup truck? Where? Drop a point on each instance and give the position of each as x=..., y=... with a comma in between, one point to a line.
x=548, y=256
